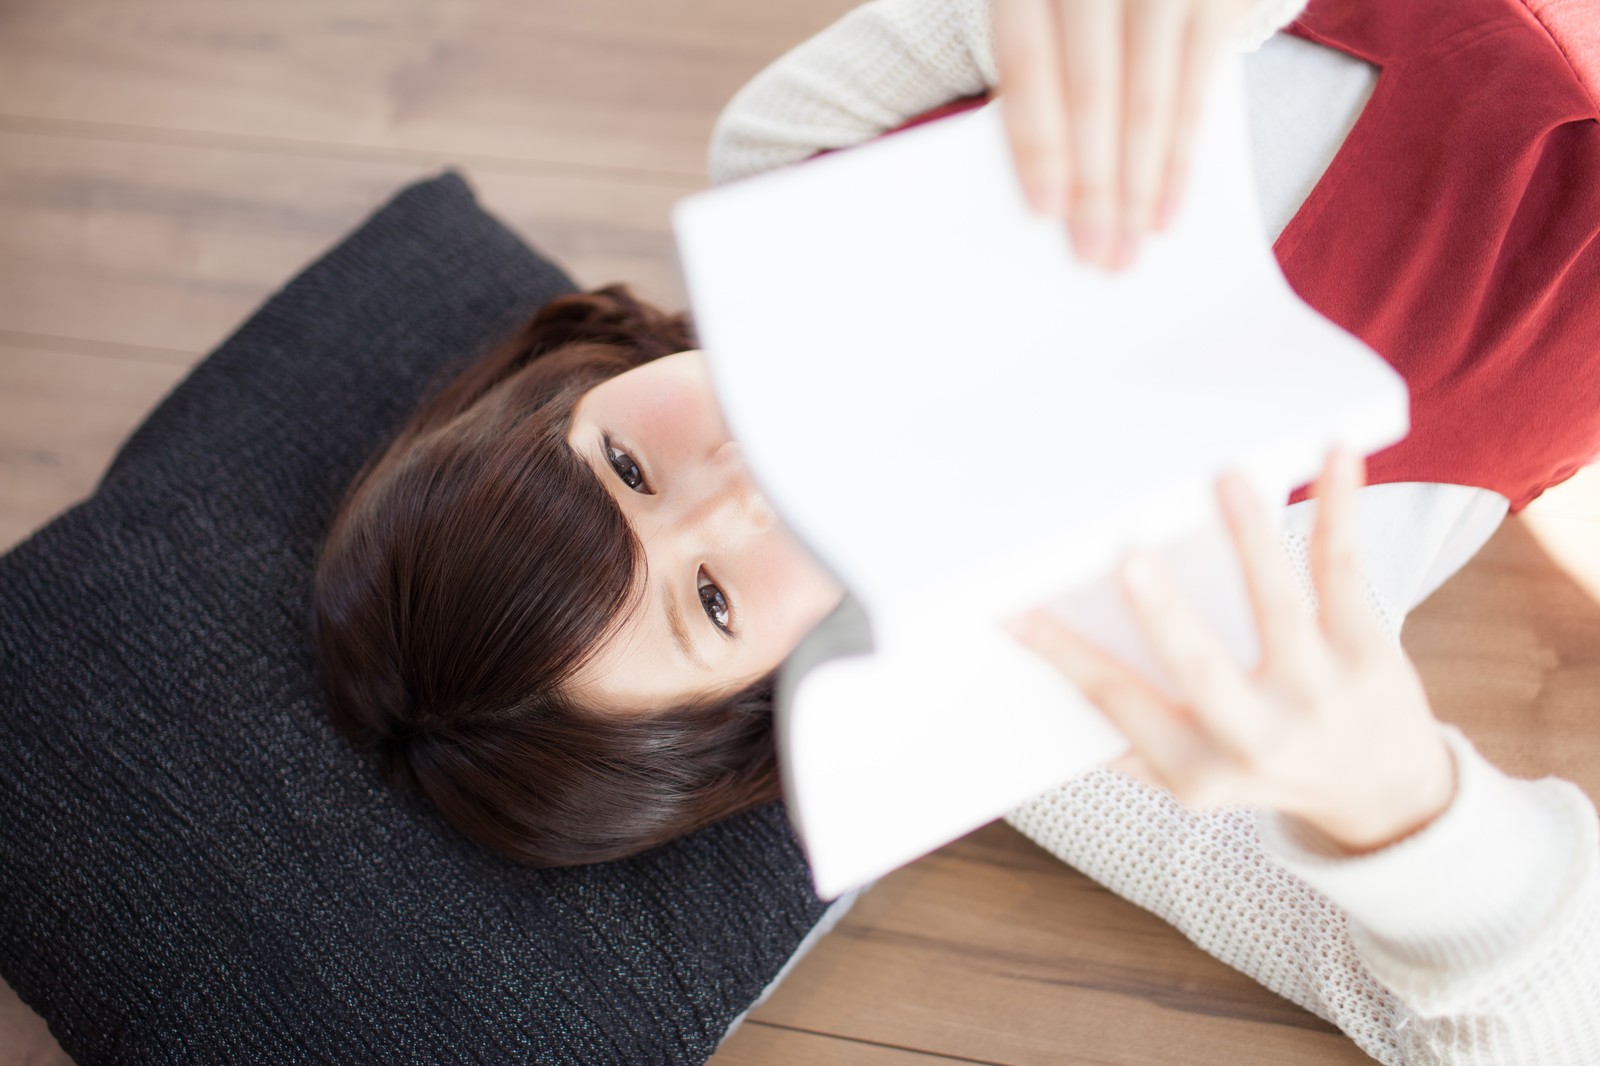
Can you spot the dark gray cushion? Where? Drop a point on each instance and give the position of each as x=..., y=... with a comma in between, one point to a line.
x=193, y=866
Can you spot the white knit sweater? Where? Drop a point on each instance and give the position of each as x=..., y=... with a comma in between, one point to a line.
x=880, y=65
x=1476, y=940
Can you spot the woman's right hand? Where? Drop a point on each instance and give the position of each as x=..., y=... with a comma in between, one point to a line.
x=1100, y=101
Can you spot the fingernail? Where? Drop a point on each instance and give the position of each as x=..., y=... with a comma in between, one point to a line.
x=1339, y=470
x=1235, y=489
x=1090, y=241
x=1126, y=248
x=1021, y=627
x=1165, y=212
x=1041, y=198
x=1139, y=573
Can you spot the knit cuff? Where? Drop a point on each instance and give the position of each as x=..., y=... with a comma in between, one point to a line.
x=1462, y=902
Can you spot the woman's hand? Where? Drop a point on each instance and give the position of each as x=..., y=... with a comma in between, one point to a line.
x=1332, y=726
x=1100, y=99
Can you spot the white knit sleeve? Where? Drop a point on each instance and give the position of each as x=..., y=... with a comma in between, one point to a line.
x=1475, y=941
x=882, y=64
x=1265, y=18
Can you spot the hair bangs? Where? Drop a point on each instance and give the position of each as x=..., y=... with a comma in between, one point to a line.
x=520, y=554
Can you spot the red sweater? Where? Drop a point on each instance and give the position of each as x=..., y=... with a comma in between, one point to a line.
x=1457, y=233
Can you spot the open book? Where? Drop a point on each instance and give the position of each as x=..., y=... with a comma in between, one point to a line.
x=961, y=421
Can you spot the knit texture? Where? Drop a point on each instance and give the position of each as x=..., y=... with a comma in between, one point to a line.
x=193, y=866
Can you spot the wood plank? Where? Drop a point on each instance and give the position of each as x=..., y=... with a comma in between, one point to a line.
x=170, y=247
x=759, y=1044
x=993, y=950
x=1510, y=648
x=624, y=83
x=24, y=1038
x=62, y=416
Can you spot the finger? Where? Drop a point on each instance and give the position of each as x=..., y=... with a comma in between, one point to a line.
x=1207, y=677
x=1031, y=104
x=1158, y=730
x=1282, y=621
x=1207, y=35
x=1154, y=32
x=1091, y=82
x=1346, y=618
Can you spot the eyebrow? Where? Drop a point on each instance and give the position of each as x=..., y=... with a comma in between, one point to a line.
x=680, y=632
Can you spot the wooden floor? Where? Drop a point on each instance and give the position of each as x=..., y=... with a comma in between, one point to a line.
x=164, y=164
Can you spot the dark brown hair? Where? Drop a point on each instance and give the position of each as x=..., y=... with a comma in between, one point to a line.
x=473, y=566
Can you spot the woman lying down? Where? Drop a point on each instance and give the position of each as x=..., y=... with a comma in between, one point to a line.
x=553, y=606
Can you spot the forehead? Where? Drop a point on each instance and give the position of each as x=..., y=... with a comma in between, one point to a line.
x=671, y=383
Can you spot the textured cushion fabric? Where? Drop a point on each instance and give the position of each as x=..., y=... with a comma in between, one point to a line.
x=193, y=866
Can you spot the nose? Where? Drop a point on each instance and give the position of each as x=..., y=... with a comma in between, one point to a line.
x=724, y=497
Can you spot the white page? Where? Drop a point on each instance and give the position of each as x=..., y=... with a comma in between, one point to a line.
x=961, y=420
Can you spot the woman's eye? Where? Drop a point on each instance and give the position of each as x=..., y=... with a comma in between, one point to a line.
x=715, y=604
x=626, y=469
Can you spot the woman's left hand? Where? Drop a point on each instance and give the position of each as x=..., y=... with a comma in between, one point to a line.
x=1332, y=727
x=1101, y=100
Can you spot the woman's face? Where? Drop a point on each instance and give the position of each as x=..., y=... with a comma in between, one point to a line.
x=727, y=592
